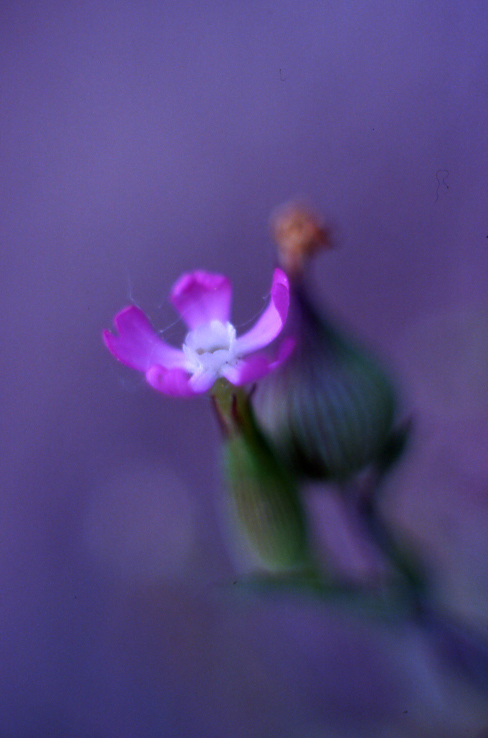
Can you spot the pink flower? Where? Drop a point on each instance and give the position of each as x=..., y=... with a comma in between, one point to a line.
x=211, y=348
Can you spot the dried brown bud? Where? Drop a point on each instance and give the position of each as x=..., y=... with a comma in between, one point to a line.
x=298, y=234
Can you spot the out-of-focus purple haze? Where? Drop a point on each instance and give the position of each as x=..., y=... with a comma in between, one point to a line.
x=143, y=139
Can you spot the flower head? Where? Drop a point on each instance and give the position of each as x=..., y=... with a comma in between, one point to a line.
x=211, y=348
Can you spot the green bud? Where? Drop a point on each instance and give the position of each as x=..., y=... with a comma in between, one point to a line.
x=263, y=498
x=330, y=409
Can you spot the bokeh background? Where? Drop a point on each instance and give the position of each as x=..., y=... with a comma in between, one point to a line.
x=143, y=139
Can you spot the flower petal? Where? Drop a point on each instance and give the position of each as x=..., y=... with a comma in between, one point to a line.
x=138, y=345
x=204, y=380
x=200, y=297
x=174, y=382
x=271, y=321
x=258, y=366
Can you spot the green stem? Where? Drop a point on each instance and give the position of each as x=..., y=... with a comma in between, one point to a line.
x=364, y=504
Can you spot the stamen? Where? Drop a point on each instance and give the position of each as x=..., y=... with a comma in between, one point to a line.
x=210, y=347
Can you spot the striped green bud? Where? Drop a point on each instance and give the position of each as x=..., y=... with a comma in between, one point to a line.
x=330, y=409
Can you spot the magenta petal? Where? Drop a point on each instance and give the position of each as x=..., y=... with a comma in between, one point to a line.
x=174, y=382
x=138, y=345
x=271, y=321
x=200, y=297
x=258, y=366
x=203, y=382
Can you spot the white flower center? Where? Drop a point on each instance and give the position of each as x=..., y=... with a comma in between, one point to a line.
x=210, y=347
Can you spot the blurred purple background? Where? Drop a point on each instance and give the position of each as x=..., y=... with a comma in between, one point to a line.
x=143, y=139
